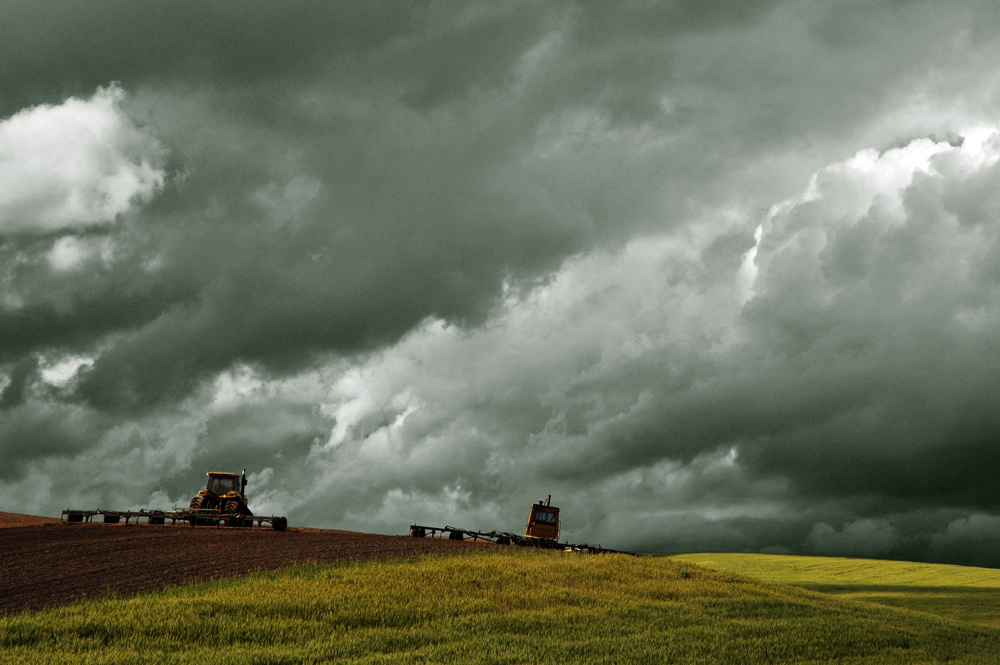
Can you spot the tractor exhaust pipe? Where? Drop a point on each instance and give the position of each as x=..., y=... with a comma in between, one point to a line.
x=243, y=482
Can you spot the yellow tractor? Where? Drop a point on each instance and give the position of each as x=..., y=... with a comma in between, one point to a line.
x=543, y=521
x=223, y=496
x=223, y=501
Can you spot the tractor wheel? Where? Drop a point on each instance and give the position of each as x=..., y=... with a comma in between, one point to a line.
x=195, y=505
x=279, y=524
x=236, y=515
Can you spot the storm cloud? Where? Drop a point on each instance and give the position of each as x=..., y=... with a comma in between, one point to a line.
x=715, y=275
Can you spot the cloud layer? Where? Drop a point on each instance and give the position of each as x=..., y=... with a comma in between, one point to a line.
x=714, y=275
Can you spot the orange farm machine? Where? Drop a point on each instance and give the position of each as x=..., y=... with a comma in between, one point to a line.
x=222, y=502
x=541, y=531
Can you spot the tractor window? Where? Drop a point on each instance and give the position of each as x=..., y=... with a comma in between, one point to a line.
x=221, y=485
x=545, y=518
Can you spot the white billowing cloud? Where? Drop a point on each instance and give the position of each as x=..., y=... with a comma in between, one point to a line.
x=881, y=245
x=76, y=164
x=69, y=253
x=860, y=193
x=60, y=371
x=234, y=387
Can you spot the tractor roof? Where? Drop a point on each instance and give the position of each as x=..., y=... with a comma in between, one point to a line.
x=221, y=473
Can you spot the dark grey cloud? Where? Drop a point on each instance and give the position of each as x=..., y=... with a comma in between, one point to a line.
x=64, y=48
x=421, y=260
x=33, y=432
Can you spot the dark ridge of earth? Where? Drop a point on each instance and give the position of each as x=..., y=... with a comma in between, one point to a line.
x=45, y=562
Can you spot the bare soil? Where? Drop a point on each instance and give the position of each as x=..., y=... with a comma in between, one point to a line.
x=14, y=519
x=45, y=562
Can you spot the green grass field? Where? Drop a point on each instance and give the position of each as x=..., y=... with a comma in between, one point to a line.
x=508, y=606
x=960, y=593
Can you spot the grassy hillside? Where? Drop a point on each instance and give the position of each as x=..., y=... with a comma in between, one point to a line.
x=961, y=593
x=509, y=606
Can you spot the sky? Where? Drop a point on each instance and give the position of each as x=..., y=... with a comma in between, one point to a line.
x=715, y=275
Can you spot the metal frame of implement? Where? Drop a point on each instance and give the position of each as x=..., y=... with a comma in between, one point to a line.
x=203, y=517
x=507, y=538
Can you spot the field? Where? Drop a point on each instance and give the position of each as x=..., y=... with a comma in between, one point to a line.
x=490, y=605
x=48, y=562
x=960, y=593
x=95, y=593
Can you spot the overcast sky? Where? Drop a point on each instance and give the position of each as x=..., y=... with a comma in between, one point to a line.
x=716, y=275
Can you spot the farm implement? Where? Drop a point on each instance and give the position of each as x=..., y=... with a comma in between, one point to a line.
x=194, y=517
x=541, y=531
x=220, y=503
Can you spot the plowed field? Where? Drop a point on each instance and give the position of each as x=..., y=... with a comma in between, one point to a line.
x=45, y=562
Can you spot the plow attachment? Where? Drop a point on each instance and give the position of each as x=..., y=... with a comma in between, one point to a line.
x=507, y=538
x=193, y=517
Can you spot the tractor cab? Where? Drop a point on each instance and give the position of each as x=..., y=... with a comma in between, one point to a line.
x=220, y=484
x=543, y=521
x=224, y=493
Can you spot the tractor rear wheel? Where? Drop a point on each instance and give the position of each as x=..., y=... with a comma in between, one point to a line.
x=236, y=515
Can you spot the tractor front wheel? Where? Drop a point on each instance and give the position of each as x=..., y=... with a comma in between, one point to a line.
x=195, y=505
